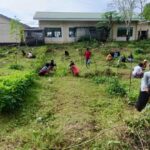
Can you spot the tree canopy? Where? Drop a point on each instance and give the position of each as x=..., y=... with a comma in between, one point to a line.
x=146, y=12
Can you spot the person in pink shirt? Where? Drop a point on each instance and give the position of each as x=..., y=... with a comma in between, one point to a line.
x=74, y=69
x=87, y=55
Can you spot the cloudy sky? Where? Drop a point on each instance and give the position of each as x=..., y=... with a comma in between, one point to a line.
x=24, y=10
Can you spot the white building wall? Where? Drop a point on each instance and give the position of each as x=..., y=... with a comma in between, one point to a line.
x=5, y=32
x=64, y=25
x=115, y=29
x=143, y=27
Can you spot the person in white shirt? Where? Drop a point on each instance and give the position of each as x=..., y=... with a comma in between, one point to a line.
x=29, y=55
x=144, y=92
x=138, y=71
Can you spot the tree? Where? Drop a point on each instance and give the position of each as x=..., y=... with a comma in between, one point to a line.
x=17, y=31
x=146, y=11
x=126, y=9
x=107, y=21
x=141, y=4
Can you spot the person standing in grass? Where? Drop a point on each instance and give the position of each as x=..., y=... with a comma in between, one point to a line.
x=144, y=92
x=74, y=69
x=87, y=55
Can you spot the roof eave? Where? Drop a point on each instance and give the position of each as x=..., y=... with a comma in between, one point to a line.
x=67, y=19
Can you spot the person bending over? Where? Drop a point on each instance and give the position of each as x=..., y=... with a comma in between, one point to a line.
x=44, y=70
x=137, y=71
x=74, y=69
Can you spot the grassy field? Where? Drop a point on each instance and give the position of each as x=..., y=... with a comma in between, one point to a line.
x=94, y=111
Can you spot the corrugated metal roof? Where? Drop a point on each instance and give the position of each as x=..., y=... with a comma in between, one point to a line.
x=72, y=16
x=66, y=16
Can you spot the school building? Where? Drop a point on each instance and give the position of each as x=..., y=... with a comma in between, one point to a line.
x=66, y=27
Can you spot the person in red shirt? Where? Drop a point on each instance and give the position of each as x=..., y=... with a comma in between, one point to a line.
x=87, y=55
x=74, y=69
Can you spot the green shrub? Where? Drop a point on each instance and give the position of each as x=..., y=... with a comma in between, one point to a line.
x=115, y=88
x=13, y=88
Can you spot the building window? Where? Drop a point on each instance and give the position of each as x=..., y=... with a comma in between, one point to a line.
x=53, y=32
x=72, y=32
x=121, y=32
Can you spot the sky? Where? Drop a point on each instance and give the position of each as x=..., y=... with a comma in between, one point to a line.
x=24, y=10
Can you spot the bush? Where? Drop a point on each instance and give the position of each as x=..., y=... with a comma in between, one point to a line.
x=12, y=90
x=115, y=88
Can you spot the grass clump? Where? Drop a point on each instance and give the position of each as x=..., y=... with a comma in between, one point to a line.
x=137, y=133
x=108, y=72
x=100, y=80
x=132, y=97
x=16, y=67
x=115, y=88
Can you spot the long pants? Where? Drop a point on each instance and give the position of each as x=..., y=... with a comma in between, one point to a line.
x=142, y=100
